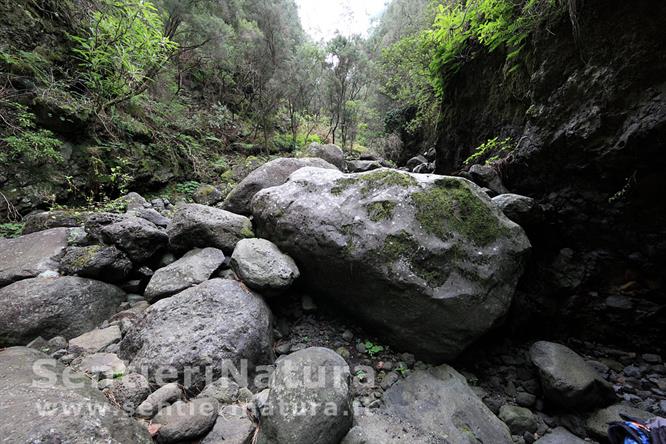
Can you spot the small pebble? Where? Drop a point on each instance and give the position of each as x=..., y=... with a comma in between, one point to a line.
x=347, y=335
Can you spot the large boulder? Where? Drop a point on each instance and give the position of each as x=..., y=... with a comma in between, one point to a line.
x=314, y=380
x=199, y=226
x=332, y=154
x=206, y=327
x=439, y=401
x=263, y=267
x=567, y=379
x=30, y=255
x=137, y=237
x=64, y=306
x=426, y=261
x=106, y=263
x=38, y=409
x=271, y=174
x=45, y=220
x=192, y=269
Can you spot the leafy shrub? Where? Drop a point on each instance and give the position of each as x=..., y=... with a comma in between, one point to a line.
x=491, y=23
x=187, y=188
x=28, y=143
x=491, y=150
x=11, y=229
x=123, y=51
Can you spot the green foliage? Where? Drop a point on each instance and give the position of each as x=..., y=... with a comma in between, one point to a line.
x=402, y=369
x=491, y=151
x=28, y=143
x=11, y=229
x=25, y=63
x=491, y=23
x=187, y=188
x=123, y=50
x=373, y=349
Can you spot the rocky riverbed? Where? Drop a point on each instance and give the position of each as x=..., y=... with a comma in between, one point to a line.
x=393, y=287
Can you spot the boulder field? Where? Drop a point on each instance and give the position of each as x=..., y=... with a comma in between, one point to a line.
x=347, y=312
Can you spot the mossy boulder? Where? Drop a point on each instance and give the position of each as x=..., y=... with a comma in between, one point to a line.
x=426, y=261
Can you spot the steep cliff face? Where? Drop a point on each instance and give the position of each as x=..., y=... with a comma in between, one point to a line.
x=587, y=110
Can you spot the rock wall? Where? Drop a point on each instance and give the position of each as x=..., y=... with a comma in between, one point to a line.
x=589, y=118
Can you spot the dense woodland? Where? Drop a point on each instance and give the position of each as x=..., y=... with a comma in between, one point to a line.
x=186, y=87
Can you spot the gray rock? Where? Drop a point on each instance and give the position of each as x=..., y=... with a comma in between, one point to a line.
x=651, y=358
x=425, y=168
x=105, y=263
x=524, y=399
x=160, y=398
x=439, y=401
x=405, y=254
x=233, y=426
x=560, y=435
x=64, y=306
x=207, y=195
x=199, y=226
x=101, y=365
x=328, y=401
x=138, y=238
x=134, y=201
x=271, y=174
x=97, y=221
x=382, y=428
x=46, y=220
x=130, y=391
x=224, y=390
x=95, y=340
x=520, y=209
x=361, y=166
x=24, y=393
x=151, y=216
x=518, y=419
x=30, y=255
x=182, y=422
x=567, y=379
x=330, y=153
x=597, y=423
x=263, y=267
x=415, y=161
x=57, y=343
x=215, y=323
x=486, y=176
x=192, y=269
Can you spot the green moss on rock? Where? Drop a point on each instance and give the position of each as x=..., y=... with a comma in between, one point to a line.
x=403, y=246
x=379, y=211
x=373, y=181
x=85, y=257
x=247, y=232
x=450, y=206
